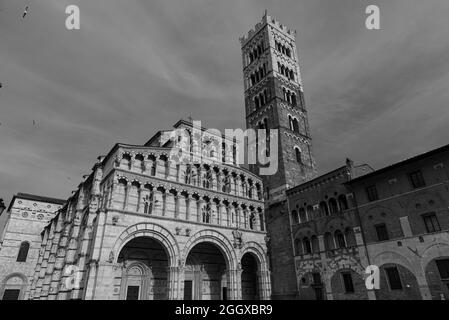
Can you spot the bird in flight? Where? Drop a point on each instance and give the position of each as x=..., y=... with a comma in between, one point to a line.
x=25, y=12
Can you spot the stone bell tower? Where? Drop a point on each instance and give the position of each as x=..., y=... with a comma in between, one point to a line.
x=274, y=99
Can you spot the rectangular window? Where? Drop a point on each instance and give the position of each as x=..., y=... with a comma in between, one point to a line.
x=382, y=232
x=347, y=281
x=417, y=179
x=443, y=268
x=431, y=222
x=371, y=193
x=394, y=280
x=11, y=294
x=133, y=293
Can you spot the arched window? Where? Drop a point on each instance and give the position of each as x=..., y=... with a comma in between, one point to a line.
x=288, y=96
x=261, y=99
x=350, y=237
x=310, y=212
x=328, y=241
x=288, y=52
x=340, y=239
x=23, y=252
x=293, y=99
x=333, y=205
x=296, y=125
x=283, y=70
x=251, y=57
x=298, y=247
x=290, y=122
x=298, y=155
x=253, y=80
x=343, y=202
x=302, y=215
x=256, y=102
x=285, y=93
x=307, y=246
x=292, y=75
x=323, y=208
x=295, y=216
x=315, y=244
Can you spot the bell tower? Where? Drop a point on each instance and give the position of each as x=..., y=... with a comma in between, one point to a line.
x=274, y=99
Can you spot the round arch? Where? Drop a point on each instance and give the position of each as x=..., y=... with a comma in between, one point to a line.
x=257, y=250
x=150, y=230
x=21, y=287
x=391, y=257
x=434, y=251
x=213, y=237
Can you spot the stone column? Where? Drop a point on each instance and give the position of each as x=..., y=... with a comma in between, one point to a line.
x=169, y=205
x=172, y=171
x=182, y=173
x=127, y=192
x=158, y=202
x=199, y=211
x=174, y=283
x=193, y=209
x=160, y=168
x=214, y=183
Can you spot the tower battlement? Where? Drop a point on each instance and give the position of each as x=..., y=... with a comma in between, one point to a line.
x=271, y=20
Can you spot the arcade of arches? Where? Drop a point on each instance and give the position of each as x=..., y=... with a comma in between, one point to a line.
x=207, y=274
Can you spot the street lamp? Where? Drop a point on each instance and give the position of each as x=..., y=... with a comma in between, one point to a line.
x=2, y=206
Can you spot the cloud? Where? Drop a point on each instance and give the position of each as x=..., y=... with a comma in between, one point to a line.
x=137, y=66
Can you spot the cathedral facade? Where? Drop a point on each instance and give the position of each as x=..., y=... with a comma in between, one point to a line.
x=142, y=227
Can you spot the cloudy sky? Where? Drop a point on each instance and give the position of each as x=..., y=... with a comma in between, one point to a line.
x=137, y=66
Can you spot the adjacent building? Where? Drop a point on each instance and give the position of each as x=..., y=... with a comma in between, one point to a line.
x=20, y=242
x=404, y=214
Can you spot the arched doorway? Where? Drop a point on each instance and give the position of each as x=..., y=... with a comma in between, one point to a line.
x=13, y=287
x=249, y=278
x=205, y=275
x=145, y=271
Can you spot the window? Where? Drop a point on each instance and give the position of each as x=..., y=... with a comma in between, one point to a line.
x=295, y=216
x=298, y=155
x=23, y=252
x=343, y=202
x=431, y=222
x=340, y=239
x=347, y=281
x=443, y=268
x=333, y=207
x=371, y=193
x=307, y=246
x=417, y=179
x=133, y=293
x=324, y=209
x=11, y=294
x=394, y=280
x=382, y=232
